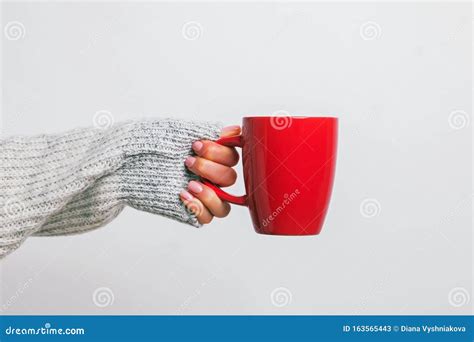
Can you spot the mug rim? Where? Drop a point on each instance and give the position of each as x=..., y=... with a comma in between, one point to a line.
x=290, y=116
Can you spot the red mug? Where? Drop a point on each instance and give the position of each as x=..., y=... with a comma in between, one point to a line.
x=289, y=164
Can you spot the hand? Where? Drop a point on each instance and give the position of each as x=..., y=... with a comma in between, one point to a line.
x=213, y=162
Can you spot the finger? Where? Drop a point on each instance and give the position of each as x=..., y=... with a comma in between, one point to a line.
x=230, y=131
x=213, y=151
x=208, y=197
x=195, y=206
x=219, y=174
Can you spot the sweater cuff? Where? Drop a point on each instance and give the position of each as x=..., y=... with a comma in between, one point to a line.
x=154, y=172
x=169, y=137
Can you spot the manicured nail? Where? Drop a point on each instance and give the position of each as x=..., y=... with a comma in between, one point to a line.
x=186, y=195
x=190, y=161
x=197, y=145
x=230, y=129
x=195, y=187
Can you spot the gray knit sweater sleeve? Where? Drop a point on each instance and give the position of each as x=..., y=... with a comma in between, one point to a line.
x=80, y=180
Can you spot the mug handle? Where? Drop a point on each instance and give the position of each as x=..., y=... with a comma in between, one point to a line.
x=233, y=141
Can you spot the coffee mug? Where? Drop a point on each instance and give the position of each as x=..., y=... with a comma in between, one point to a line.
x=288, y=165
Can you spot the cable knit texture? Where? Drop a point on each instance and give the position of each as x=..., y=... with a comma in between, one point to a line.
x=80, y=180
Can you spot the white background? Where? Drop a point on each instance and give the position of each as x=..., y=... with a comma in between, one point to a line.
x=397, y=75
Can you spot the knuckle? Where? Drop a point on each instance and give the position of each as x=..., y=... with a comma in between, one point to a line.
x=199, y=165
x=229, y=177
x=206, y=220
x=205, y=167
x=225, y=211
x=207, y=196
x=236, y=157
x=209, y=149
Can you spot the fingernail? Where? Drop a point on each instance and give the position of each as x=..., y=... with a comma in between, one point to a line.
x=230, y=129
x=197, y=145
x=186, y=195
x=195, y=187
x=190, y=161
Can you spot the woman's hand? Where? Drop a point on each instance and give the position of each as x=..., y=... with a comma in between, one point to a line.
x=213, y=162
